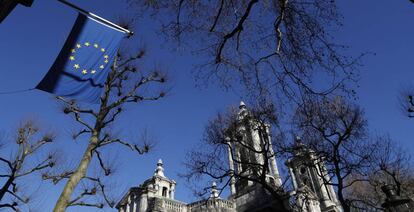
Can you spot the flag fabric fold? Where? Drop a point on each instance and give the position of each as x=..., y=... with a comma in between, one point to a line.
x=82, y=66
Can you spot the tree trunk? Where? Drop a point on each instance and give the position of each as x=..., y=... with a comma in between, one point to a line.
x=76, y=177
x=343, y=202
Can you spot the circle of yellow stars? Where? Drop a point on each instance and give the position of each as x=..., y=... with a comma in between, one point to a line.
x=77, y=66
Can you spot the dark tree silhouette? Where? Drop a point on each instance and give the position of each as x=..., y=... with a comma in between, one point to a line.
x=276, y=47
x=337, y=131
x=23, y=163
x=391, y=166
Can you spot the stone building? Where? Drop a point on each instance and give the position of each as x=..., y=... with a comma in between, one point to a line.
x=308, y=175
x=157, y=194
x=311, y=193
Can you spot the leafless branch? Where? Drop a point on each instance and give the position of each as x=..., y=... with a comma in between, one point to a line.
x=42, y=165
x=20, y=165
x=235, y=31
x=133, y=147
x=81, y=203
x=86, y=192
x=56, y=178
x=107, y=171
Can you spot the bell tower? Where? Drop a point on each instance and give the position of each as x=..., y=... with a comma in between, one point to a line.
x=311, y=181
x=250, y=150
x=143, y=197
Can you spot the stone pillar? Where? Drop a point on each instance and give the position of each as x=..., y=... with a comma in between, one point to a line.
x=134, y=203
x=122, y=209
x=238, y=157
x=323, y=196
x=172, y=196
x=327, y=196
x=143, y=202
x=256, y=142
x=273, y=164
x=231, y=167
x=329, y=187
x=294, y=182
x=128, y=208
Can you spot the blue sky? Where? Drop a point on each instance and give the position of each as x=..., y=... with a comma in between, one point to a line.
x=31, y=38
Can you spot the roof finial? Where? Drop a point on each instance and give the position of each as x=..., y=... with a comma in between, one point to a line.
x=159, y=171
x=298, y=139
x=242, y=105
x=242, y=111
x=299, y=147
x=214, y=194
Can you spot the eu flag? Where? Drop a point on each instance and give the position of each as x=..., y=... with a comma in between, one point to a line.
x=82, y=66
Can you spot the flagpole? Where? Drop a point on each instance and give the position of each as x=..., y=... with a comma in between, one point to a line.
x=96, y=17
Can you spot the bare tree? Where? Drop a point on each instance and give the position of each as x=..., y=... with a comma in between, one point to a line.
x=29, y=143
x=391, y=166
x=358, y=164
x=125, y=84
x=337, y=131
x=232, y=156
x=276, y=47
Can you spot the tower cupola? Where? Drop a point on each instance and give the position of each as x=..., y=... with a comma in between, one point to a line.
x=159, y=171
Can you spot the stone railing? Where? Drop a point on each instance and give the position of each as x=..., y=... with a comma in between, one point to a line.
x=167, y=205
x=212, y=203
x=170, y=205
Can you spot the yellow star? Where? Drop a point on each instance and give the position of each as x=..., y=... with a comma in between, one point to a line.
x=102, y=50
x=87, y=44
x=73, y=50
x=95, y=45
x=101, y=67
x=72, y=58
x=93, y=71
x=106, y=61
x=106, y=56
x=78, y=46
x=84, y=71
x=76, y=66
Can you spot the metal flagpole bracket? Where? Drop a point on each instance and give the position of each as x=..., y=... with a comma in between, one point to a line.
x=130, y=33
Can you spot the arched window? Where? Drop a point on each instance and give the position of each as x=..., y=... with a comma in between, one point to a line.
x=164, y=191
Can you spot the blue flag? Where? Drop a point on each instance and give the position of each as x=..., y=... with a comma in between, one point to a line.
x=82, y=66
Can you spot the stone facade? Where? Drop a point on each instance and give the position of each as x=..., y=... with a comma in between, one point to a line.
x=310, y=190
x=157, y=194
x=308, y=177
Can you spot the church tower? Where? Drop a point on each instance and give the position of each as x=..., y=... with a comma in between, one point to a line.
x=252, y=146
x=310, y=181
x=249, y=149
x=149, y=194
